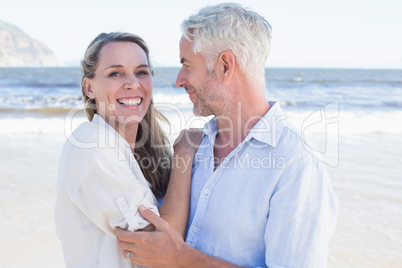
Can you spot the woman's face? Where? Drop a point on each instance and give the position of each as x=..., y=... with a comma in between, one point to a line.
x=122, y=85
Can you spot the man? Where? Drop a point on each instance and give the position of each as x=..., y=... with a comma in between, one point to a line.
x=258, y=198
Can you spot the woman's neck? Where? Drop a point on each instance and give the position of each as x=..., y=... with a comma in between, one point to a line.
x=127, y=131
x=129, y=134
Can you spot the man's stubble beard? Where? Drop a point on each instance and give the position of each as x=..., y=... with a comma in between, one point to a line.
x=212, y=98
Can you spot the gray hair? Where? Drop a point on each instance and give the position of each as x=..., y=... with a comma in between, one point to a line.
x=229, y=26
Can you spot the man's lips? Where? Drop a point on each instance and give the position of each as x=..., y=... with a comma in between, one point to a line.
x=190, y=90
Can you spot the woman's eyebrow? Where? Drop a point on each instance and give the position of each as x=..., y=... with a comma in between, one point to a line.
x=120, y=66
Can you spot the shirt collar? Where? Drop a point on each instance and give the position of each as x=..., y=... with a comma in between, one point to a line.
x=96, y=118
x=267, y=130
x=101, y=123
x=104, y=127
x=211, y=128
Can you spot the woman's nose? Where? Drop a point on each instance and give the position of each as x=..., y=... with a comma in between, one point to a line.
x=131, y=82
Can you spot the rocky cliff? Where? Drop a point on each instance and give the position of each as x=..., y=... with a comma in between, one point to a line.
x=17, y=49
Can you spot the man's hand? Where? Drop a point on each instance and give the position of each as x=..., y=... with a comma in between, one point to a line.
x=153, y=249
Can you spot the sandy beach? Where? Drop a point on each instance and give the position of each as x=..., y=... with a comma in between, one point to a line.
x=28, y=180
x=367, y=181
x=368, y=184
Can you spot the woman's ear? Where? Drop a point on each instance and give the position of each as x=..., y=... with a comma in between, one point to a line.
x=228, y=63
x=88, y=88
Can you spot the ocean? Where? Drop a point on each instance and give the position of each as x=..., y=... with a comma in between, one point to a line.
x=353, y=116
x=374, y=96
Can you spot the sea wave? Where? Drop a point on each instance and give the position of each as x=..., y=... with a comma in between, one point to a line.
x=39, y=84
x=62, y=122
x=66, y=102
x=393, y=104
x=347, y=123
x=41, y=111
x=39, y=102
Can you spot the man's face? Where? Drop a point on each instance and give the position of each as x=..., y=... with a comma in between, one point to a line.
x=204, y=89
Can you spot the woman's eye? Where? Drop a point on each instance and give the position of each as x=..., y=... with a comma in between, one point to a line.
x=142, y=73
x=114, y=74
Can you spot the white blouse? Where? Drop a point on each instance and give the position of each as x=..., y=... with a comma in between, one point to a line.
x=100, y=186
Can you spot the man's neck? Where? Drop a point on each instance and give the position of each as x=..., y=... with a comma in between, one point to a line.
x=234, y=127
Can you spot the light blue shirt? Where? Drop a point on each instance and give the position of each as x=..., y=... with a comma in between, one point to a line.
x=269, y=204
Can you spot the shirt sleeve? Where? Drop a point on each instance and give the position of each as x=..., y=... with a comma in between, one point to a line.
x=108, y=189
x=302, y=217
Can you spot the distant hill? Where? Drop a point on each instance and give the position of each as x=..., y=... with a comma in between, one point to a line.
x=17, y=49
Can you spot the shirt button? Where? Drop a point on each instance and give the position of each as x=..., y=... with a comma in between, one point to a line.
x=120, y=202
x=195, y=229
x=206, y=191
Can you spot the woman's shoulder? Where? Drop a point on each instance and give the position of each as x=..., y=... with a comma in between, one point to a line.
x=86, y=132
x=95, y=138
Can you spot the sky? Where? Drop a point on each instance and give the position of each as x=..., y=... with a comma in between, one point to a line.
x=306, y=33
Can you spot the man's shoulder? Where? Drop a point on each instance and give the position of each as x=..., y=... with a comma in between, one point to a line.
x=291, y=134
x=292, y=142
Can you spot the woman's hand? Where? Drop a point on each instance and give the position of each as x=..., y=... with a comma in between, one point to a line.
x=187, y=142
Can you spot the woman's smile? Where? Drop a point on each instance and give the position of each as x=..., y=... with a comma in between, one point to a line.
x=130, y=102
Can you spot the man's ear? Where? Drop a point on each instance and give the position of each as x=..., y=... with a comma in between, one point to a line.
x=227, y=63
x=86, y=83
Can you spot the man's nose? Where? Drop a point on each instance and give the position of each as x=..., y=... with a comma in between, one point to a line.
x=181, y=79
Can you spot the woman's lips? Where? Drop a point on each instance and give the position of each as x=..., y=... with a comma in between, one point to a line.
x=130, y=101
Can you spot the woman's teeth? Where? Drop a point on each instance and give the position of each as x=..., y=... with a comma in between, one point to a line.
x=130, y=102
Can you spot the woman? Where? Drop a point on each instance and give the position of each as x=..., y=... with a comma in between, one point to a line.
x=101, y=181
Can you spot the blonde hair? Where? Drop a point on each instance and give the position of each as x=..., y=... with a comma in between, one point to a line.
x=152, y=144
